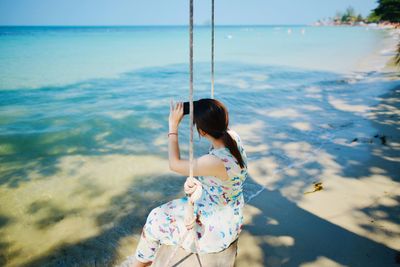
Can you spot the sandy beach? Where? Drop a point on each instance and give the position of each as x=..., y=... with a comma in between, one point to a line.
x=355, y=219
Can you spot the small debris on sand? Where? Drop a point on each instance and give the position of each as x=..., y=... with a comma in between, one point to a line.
x=383, y=139
x=317, y=187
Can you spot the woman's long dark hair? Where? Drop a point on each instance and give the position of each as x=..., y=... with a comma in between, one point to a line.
x=211, y=116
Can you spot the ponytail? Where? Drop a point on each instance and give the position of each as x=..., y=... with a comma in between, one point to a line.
x=231, y=144
x=212, y=117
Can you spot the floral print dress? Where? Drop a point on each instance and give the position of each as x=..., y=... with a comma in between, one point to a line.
x=218, y=211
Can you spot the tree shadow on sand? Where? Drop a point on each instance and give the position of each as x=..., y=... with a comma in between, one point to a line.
x=124, y=217
x=298, y=237
x=5, y=244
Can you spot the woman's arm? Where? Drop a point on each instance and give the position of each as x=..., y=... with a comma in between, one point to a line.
x=175, y=117
x=207, y=165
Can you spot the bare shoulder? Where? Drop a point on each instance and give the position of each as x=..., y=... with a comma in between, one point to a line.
x=212, y=165
x=210, y=160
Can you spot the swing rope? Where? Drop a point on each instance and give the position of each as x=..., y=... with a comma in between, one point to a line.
x=193, y=188
x=212, y=49
x=191, y=89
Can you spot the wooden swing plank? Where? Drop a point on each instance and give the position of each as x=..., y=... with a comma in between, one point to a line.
x=225, y=258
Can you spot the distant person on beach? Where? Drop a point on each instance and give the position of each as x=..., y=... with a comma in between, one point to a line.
x=221, y=172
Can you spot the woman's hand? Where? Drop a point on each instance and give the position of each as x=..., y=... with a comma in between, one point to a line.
x=175, y=116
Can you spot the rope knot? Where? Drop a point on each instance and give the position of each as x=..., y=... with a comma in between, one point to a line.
x=194, y=191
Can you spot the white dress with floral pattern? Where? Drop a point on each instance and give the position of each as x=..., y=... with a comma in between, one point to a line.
x=219, y=213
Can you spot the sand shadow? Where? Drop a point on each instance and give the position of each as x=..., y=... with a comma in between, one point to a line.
x=124, y=217
x=298, y=237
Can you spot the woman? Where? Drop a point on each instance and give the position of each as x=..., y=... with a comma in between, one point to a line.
x=221, y=172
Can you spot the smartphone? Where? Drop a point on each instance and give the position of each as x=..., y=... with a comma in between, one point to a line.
x=186, y=107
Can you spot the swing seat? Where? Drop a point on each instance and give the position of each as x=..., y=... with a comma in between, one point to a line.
x=182, y=258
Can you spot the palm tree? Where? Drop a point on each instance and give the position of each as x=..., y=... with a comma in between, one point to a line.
x=388, y=10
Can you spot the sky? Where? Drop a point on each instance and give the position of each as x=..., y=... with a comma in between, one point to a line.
x=172, y=12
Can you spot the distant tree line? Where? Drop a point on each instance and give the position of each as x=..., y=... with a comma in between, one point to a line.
x=348, y=17
x=386, y=11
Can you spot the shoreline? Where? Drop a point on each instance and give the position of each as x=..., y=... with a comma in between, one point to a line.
x=381, y=59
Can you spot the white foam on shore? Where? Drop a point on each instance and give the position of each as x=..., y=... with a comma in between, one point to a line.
x=378, y=60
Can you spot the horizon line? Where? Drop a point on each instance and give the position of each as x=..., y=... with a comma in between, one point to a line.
x=141, y=25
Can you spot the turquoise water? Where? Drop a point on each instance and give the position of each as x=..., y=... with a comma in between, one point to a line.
x=83, y=118
x=78, y=82
x=54, y=56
